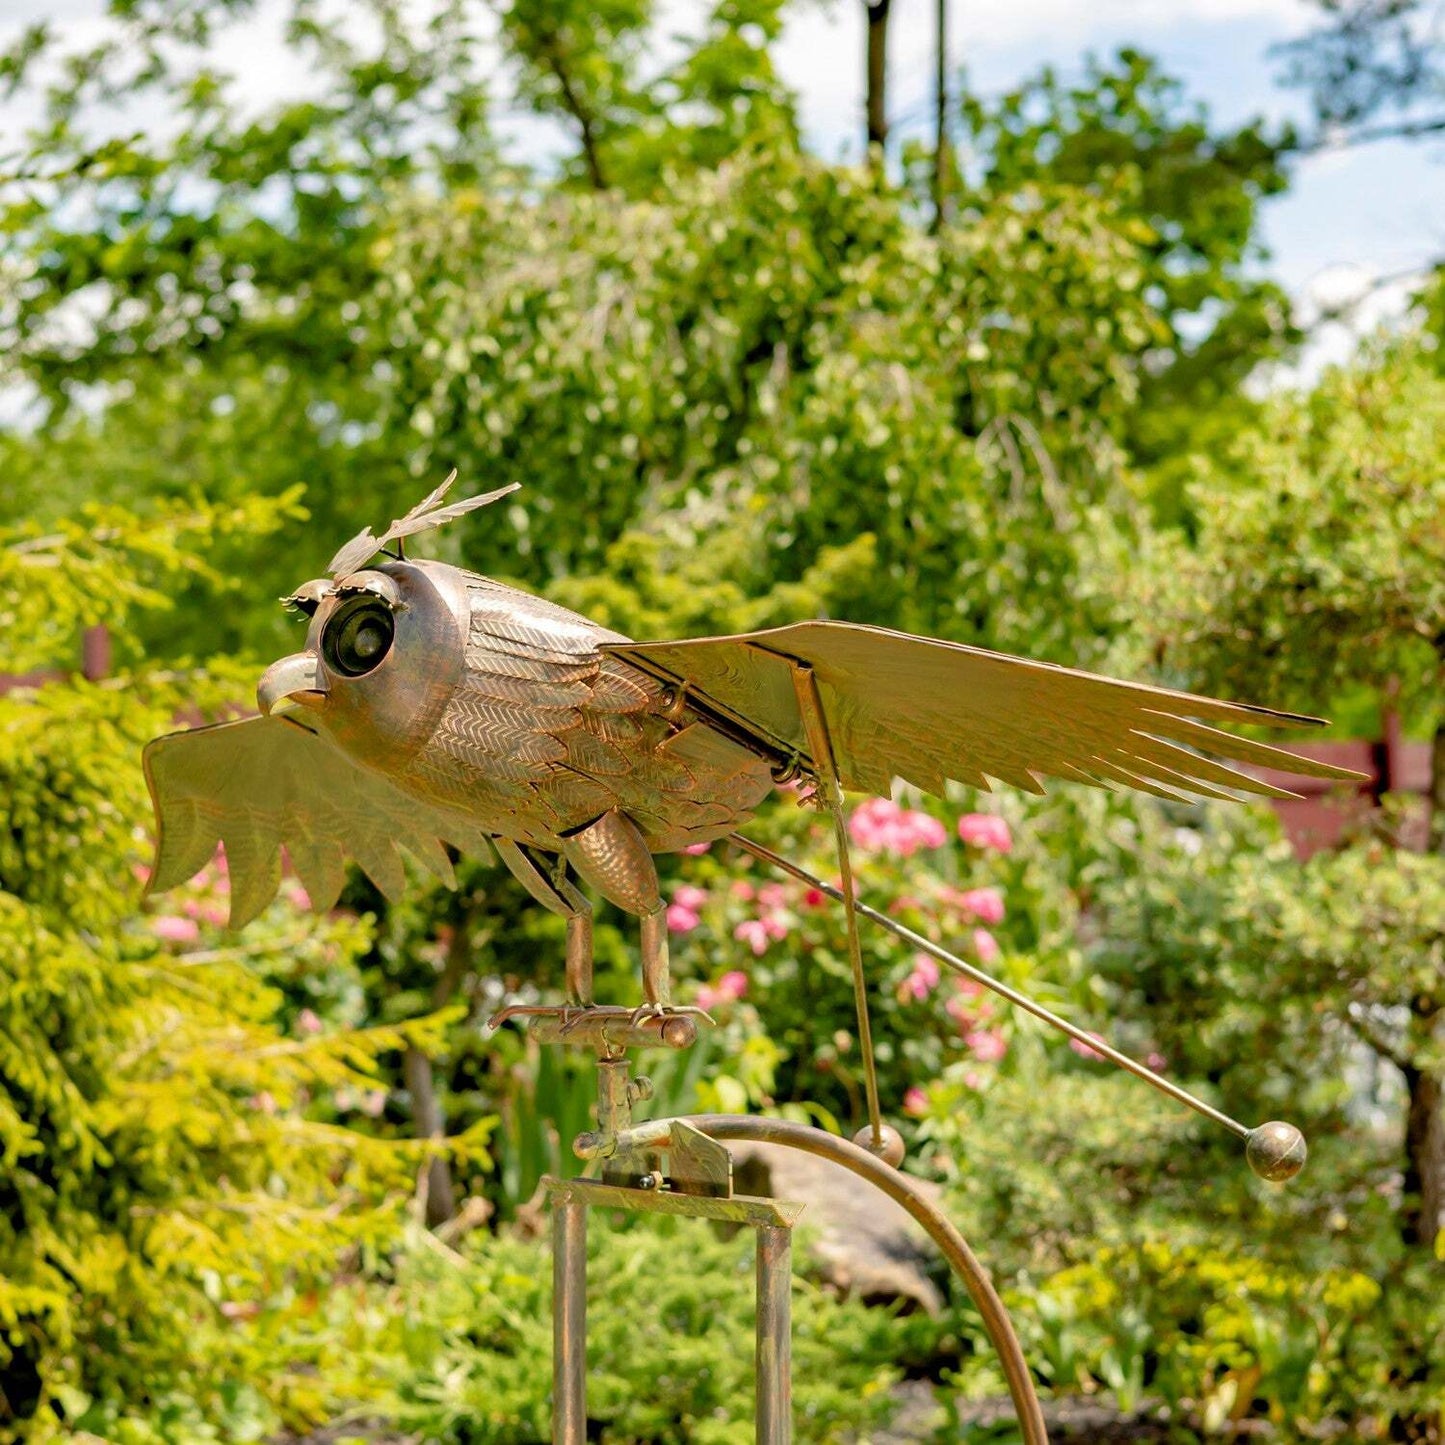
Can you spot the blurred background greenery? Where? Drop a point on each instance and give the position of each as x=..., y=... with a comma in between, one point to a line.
x=1006, y=390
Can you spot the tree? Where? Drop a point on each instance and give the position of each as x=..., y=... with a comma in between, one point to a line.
x=1325, y=576
x=1191, y=195
x=164, y=1158
x=1371, y=59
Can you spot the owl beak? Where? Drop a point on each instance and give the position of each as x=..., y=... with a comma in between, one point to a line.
x=292, y=681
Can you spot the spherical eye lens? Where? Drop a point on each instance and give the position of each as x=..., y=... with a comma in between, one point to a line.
x=358, y=637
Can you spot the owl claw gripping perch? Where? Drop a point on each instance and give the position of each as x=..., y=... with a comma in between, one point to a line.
x=431, y=706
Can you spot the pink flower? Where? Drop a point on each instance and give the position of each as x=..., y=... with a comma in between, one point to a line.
x=983, y=830
x=985, y=945
x=986, y=904
x=681, y=919
x=776, y=925
x=915, y=1102
x=697, y=849
x=732, y=985
x=741, y=888
x=961, y=1011
x=922, y=981
x=140, y=872
x=881, y=824
x=174, y=929
x=690, y=896
x=986, y=1046
x=264, y=1102
x=297, y=895
x=373, y=1103
x=772, y=895
x=1157, y=1062
x=815, y=898
x=1083, y=1050
x=307, y=1022
x=752, y=932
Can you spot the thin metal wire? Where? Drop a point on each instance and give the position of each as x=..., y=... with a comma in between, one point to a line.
x=1019, y=1000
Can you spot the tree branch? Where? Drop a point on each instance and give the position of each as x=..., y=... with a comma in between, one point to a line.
x=552, y=54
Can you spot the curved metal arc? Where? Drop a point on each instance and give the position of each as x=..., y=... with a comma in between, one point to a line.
x=904, y=1192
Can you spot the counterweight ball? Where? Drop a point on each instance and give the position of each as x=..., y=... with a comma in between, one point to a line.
x=1276, y=1150
x=889, y=1148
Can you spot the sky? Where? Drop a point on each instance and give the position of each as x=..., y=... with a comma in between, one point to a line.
x=1350, y=218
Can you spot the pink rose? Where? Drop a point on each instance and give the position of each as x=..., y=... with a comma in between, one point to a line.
x=681, y=919
x=772, y=895
x=915, y=1102
x=776, y=925
x=986, y=1046
x=690, y=896
x=175, y=929
x=881, y=824
x=924, y=978
x=983, y=830
x=986, y=904
x=985, y=945
x=741, y=888
x=752, y=932
x=1083, y=1050
x=732, y=985
x=1157, y=1062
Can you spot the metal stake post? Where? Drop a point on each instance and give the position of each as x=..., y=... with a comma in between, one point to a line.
x=569, y=1322
x=774, y=1354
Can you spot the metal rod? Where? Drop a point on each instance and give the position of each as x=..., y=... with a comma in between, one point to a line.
x=904, y=1191
x=569, y=1323
x=1019, y=1000
x=774, y=1354
x=815, y=721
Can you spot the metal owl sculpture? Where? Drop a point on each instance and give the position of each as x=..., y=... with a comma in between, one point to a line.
x=431, y=706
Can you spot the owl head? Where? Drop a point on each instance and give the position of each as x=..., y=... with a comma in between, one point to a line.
x=386, y=644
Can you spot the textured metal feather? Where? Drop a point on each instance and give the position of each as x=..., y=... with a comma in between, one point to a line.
x=419, y=521
x=422, y=517
x=263, y=783
x=927, y=711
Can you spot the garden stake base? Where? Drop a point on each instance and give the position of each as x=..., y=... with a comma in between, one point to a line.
x=682, y=1167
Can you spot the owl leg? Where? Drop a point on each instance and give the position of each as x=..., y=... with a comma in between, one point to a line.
x=556, y=893
x=613, y=857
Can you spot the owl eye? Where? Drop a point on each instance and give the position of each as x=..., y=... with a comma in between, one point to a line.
x=358, y=636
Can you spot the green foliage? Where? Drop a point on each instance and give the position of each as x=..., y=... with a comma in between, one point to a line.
x=742, y=386
x=158, y=1160
x=1289, y=593
x=1192, y=195
x=669, y=1343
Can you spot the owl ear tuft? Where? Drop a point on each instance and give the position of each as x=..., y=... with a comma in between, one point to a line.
x=422, y=517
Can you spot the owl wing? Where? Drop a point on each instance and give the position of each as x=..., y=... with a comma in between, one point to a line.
x=261, y=783
x=927, y=711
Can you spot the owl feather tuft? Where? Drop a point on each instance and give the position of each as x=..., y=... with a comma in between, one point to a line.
x=422, y=517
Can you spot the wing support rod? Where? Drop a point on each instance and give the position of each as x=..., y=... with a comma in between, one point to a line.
x=810, y=705
x=1274, y=1150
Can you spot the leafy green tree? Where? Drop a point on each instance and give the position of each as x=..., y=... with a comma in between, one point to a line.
x=1326, y=576
x=159, y=1165
x=1192, y=196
